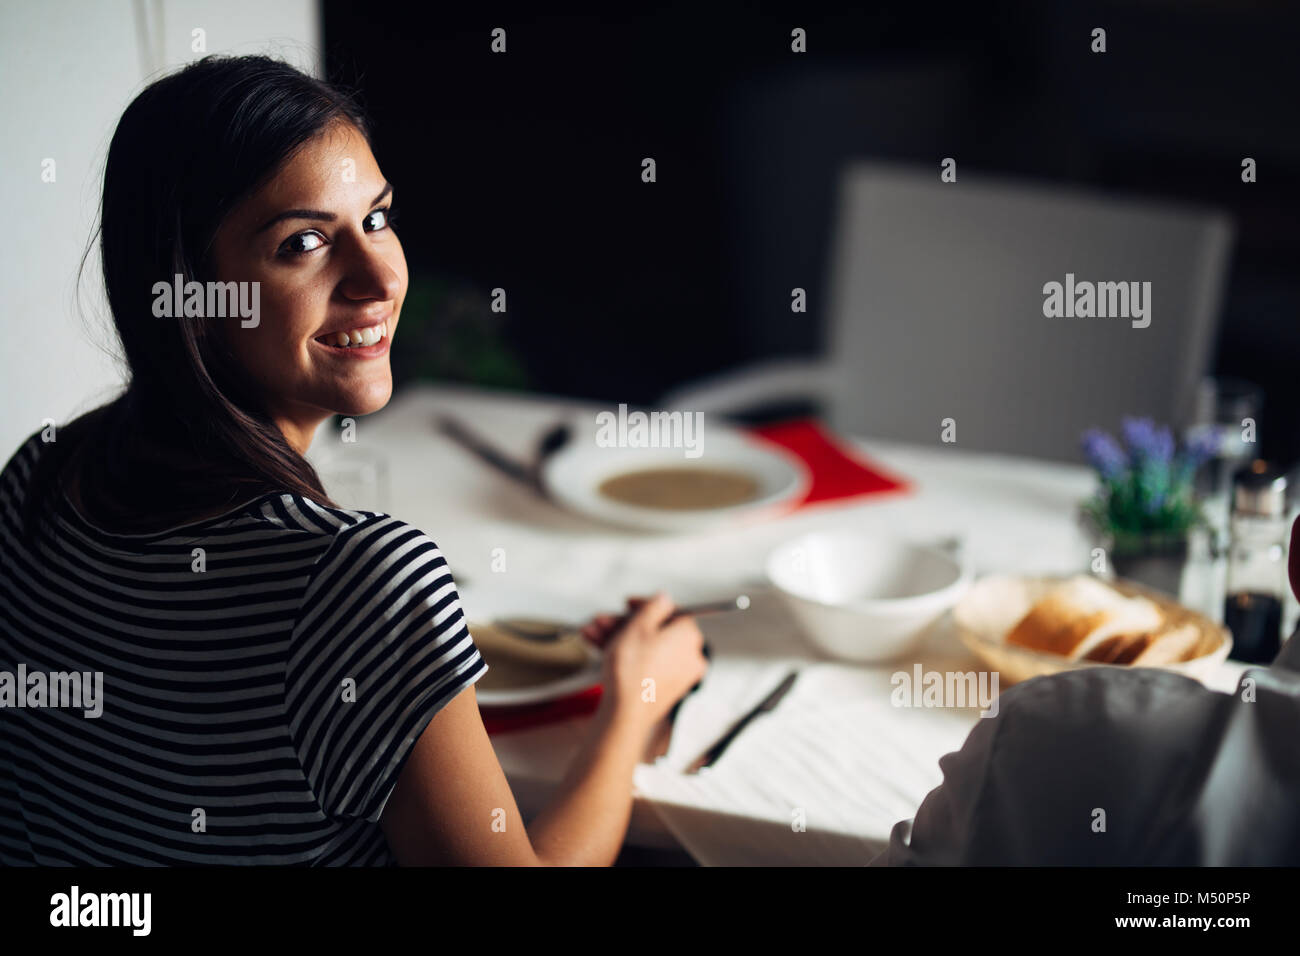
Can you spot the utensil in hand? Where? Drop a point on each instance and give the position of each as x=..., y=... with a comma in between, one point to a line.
x=547, y=631
x=768, y=703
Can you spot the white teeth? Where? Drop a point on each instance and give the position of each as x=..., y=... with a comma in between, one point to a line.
x=357, y=337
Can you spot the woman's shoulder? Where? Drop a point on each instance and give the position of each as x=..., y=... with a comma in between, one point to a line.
x=298, y=513
x=378, y=576
x=357, y=543
x=18, y=469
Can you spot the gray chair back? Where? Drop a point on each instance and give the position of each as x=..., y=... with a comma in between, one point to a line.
x=936, y=310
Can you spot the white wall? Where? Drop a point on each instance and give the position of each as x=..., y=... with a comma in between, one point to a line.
x=68, y=68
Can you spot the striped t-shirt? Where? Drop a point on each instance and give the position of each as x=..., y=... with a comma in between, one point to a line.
x=265, y=674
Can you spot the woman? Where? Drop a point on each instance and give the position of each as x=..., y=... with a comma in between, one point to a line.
x=284, y=681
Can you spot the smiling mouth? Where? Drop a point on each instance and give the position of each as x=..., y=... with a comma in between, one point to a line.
x=355, y=338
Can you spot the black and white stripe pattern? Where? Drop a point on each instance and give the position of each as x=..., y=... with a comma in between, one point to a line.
x=224, y=690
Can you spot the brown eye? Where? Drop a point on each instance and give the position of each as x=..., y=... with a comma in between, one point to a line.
x=379, y=219
x=302, y=243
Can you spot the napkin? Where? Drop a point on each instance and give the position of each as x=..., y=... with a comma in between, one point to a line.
x=819, y=781
x=837, y=471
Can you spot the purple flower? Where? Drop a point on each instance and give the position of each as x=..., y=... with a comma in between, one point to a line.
x=1146, y=443
x=1162, y=449
x=1137, y=432
x=1104, y=454
x=1203, y=446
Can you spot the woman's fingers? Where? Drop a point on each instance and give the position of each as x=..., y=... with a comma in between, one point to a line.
x=600, y=628
x=651, y=612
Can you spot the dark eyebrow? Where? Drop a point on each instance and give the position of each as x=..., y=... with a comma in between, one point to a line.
x=316, y=214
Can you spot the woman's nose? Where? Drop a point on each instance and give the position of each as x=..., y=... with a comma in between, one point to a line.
x=371, y=276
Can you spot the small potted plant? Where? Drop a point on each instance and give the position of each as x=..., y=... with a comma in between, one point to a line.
x=1145, y=507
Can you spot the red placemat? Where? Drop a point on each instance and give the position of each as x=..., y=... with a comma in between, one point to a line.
x=838, y=471
x=500, y=720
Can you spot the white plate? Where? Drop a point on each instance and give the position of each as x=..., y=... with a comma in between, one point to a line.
x=573, y=475
x=483, y=604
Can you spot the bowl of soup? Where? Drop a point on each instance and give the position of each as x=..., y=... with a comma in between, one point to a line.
x=732, y=478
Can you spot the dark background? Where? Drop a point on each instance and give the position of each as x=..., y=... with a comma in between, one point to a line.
x=523, y=170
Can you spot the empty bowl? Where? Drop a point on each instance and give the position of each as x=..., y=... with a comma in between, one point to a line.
x=865, y=598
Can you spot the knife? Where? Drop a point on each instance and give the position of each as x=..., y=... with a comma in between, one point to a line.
x=524, y=472
x=768, y=703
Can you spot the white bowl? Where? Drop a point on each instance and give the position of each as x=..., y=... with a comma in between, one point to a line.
x=863, y=598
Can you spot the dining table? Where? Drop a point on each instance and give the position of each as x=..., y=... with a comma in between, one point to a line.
x=821, y=779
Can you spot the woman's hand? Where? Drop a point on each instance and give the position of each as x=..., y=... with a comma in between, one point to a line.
x=650, y=661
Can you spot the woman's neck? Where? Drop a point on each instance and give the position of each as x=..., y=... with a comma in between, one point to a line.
x=298, y=425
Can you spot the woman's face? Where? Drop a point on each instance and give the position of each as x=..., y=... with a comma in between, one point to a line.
x=317, y=240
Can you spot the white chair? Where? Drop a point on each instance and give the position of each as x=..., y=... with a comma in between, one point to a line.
x=935, y=310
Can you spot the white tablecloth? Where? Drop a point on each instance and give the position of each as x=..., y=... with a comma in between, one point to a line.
x=822, y=779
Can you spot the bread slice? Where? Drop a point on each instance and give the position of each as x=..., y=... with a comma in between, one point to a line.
x=1119, y=648
x=1132, y=646
x=1174, y=645
x=1083, y=614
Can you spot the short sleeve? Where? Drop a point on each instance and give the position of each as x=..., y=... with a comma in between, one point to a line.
x=380, y=645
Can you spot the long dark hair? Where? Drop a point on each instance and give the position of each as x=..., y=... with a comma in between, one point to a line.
x=188, y=435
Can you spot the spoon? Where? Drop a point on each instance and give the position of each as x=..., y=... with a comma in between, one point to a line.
x=532, y=629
